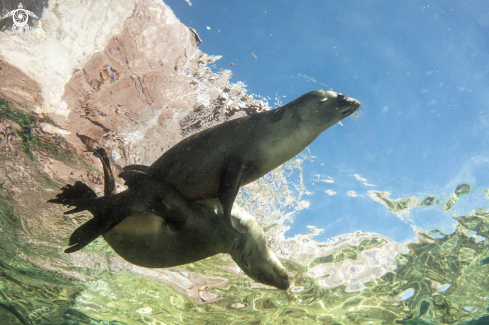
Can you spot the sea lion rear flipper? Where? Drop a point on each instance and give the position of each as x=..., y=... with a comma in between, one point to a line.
x=108, y=211
x=85, y=234
x=78, y=191
x=228, y=189
x=109, y=181
x=105, y=218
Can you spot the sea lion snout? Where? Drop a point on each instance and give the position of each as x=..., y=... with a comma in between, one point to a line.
x=350, y=104
x=277, y=278
x=282, y=280
x=277, y=275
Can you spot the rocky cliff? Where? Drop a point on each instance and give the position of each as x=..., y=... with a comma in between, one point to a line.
x=135, y=83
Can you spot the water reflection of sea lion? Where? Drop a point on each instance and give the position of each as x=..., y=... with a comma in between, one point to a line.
x=217, y=161
x=148, y=240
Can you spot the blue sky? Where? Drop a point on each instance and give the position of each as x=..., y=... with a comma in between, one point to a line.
x=420, y=69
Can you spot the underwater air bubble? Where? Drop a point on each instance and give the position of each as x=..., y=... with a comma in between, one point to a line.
x=238, y=305
x=297, y=289
x=439, y=287
x=144, y=311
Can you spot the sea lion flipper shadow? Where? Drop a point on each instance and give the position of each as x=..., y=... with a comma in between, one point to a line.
x=231, y=179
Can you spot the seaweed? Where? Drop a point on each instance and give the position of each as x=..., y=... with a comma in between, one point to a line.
x=29, y=139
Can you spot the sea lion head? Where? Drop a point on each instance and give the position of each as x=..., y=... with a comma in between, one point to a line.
x=323, y=108
x=253, y=254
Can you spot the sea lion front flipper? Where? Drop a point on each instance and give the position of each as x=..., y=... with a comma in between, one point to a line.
x=253, y=254
x=160, y=197
x=169, y=204
x=231, y=178
x=134, y=175
x=141, y=168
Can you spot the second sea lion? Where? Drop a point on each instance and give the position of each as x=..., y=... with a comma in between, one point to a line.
x=148, y=240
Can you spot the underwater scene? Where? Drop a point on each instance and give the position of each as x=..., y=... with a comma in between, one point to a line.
x=244, y=162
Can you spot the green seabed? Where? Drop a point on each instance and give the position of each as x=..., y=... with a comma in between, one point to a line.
x=60, y=293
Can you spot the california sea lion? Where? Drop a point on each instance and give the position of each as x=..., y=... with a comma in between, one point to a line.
x=148, y=240
x=217, y=161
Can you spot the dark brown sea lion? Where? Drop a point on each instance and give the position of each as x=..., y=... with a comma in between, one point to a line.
x=216, y=162
x=148, y=240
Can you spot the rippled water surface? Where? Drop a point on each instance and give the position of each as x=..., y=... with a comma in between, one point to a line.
x=382, y=220
x=438, y=279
